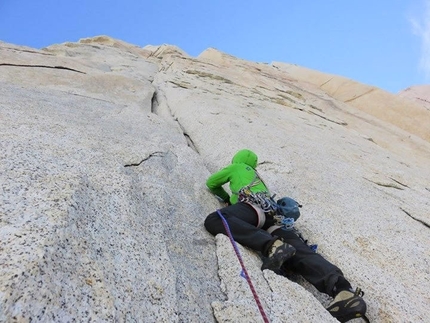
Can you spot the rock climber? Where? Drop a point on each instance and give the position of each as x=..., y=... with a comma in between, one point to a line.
x=249, y=213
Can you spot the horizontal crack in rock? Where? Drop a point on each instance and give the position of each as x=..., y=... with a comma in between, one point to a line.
x=342, y=123
x=154, y=154
x=43, y=66
x=418, y=220
x=28, y=51
x=400, y=183
x=359, y=96
x=386, y=184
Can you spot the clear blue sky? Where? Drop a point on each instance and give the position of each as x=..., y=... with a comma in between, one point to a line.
x=385, y=43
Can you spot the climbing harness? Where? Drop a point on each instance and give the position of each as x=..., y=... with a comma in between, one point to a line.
x=267, y=203
x=244, y=271
x=284, y=212
x=261, y=199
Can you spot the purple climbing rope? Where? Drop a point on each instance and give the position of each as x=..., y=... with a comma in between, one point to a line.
x=248, y=279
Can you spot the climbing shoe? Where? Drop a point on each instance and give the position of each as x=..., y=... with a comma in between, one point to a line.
x=278, y=253
x=348, y=305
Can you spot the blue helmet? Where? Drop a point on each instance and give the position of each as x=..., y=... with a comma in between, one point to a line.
x=288, y=207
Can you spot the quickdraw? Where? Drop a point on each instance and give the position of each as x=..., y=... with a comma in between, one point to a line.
x=260, y=199
x=264, y=201
x=267, y=204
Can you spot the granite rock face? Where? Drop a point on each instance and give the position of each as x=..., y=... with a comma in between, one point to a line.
x=420, y=94
x=409, y=115
x=106, y=147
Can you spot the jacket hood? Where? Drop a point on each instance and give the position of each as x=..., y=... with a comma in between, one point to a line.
x=247, y=157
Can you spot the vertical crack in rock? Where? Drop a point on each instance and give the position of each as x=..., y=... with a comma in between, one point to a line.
x=418, y=220
x=162, y=109
x=154, y=103
x=190, y=142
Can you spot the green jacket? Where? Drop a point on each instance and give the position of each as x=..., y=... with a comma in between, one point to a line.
x=240, y=173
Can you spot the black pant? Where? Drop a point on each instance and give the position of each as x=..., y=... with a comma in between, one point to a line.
x=312, y=266
x=242, y=221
